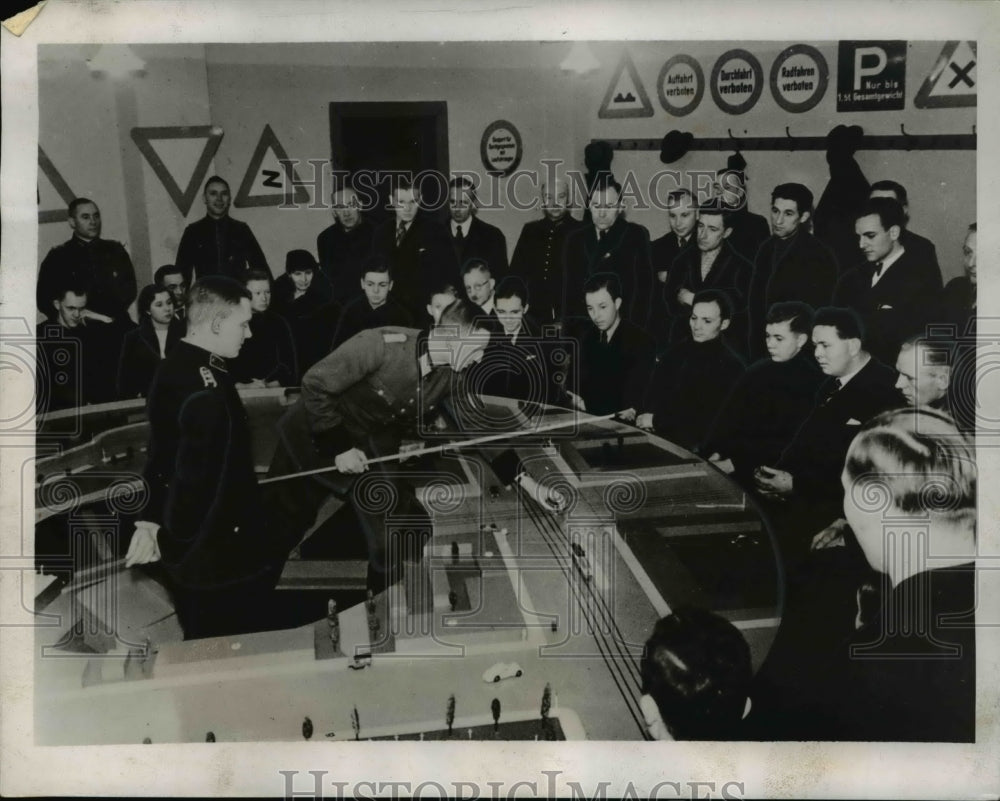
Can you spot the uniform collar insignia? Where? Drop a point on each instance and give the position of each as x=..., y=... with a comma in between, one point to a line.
x=216, y=362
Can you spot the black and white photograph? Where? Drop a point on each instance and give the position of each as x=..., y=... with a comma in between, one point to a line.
x=601, y=391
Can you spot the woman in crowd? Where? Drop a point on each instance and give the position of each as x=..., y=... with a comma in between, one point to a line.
x=144, y=346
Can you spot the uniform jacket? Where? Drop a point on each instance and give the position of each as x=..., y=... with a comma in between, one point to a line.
x=342, y=254
x=613, y=377
x=906, y=298
x=140, y=357
x=625, y=252
x=102, y=265
x=219, y=247
x=802, y=268
x=538, y=261
x=484, y=241
x=200, y=472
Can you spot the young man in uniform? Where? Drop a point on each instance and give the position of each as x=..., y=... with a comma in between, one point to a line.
x=204, y=518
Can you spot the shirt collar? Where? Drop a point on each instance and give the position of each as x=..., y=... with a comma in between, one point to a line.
x=488, y=305
x=845, y=378
x=611, y=331
x=887, y=262
x=465, y=226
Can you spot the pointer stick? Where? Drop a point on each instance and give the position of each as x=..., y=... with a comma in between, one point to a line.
x=447, y=446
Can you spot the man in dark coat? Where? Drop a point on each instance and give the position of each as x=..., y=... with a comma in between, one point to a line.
x=360, y=402
x=682, y=214
x=792, y=264
x=417, y=250
x=919, y=246
x=712, y=264
x=771, y=400
x=217, y=244
x=750, y=230
x=374, y=308
x=267, y=358
x=895, y=293
x=616, y=356
x=344, y=246
x=203, y=516
x=471, y=238
x=538, y=254
x=101, y=265
x=609, y=245
x=693, y=378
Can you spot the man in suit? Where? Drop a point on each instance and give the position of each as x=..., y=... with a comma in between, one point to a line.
x=538, y=254
x=803, y=488
x=616, y=356
x=693, y=378
x=344, y=246
x=921, y=247
x=375, y=307
x=609, y=244
x=895, y=293
x=417, y=250
x=712, y=264
x=750, y=230
x=471, y=238
x=682, y=215
x=217, y=244
x=172, y=278
x=102, y=265
x=792, y=264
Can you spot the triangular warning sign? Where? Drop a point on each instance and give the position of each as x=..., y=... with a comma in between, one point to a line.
x=266, y=177
x=952, y=82
x=54, y=185
x=626, y=96
x=176, y=155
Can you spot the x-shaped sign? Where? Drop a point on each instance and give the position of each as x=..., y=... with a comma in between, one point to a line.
x=961, y=74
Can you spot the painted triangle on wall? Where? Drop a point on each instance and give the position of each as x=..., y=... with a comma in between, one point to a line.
x=144, y=138
x=58, y=183
x=626, y=96
x=267, y=174
x=952, y=81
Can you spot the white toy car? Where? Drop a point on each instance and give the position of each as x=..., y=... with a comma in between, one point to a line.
x=502, y=670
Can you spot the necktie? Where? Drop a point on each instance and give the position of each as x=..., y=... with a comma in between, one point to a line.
x=837, y=384
x=600, y=236
x=878, y=269
x=400, y=233
x=604, y=337
x=458, y=234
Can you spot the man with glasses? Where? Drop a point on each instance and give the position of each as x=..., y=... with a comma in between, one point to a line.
x=343, y=246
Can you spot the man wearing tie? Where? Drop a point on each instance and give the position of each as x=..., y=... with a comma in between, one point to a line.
x=895, y=292
x=471, y=238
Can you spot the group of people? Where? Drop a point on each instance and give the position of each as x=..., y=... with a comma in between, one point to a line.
x=391, y=321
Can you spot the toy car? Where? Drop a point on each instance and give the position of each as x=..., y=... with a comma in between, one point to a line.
x=502, y=670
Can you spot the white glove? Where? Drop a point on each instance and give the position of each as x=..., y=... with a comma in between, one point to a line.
x=143, y=548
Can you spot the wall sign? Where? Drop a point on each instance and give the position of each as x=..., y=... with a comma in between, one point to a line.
x=871, y=76
x=626, y=96
x=737, y=81
x=501, y=148
x=212, y=136
x=799, y=77
x=681, y=85
x=263, y=183
x=952, y=82
x=58, y=183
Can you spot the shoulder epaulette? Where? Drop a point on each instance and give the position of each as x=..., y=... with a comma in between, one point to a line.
x=390, y=337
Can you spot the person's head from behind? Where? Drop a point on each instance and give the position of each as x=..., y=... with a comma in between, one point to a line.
x=173, y=279
x=217, y=197
x=838, y=340
x=791, y=208
x=85, y=218
x=605, y=201
x=301, y=268
x=405, y=201
x=462, y=201
x=156, y=303
x=70, y=304
x=711, y=312
x=218, y=315
x=376, y=281
x=555, y=199
x=787, y=329
x=510, y=301
x=878, y=226
x=696, y=668
x=603, y=295
x=969, y=254
x=682, y=213
x=258, y=283
x=458, y=339
x=909, y=463
x=924, y=369
x=478, y=281
x=346, y=208
x=441, y=297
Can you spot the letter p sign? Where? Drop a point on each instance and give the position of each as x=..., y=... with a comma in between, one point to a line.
x=868, y=62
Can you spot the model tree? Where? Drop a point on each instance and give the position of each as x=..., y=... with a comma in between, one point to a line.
x=546, y=708
x=449, y=715
x=307, y=728
x=356, y=724
x=495, y=707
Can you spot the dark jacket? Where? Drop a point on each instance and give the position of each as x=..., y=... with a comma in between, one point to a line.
x=920, y=247
x=303, y=315
x=358, y=315
x=623, y=251
x=538, y=261
x=958, y=306
x=799, y=268
x=140, y=356
x=269, y=353
x=422, y=260
x=523, y=369
x=749, y=232
x=342, y=254
x=102, y=266
x=200, y=473
x=689, y=385
x=906, y=298
x=77, y=366
x=219, y=247
x=765, y=409
x=613, y=377
x=484, y=241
